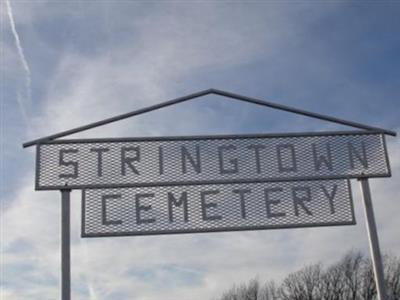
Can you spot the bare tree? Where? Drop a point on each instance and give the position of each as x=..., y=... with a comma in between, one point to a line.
x=302, y=285
x=368, y=287
x=269, y=291
x=250, y=292
x=351, y=278
x=333, y=286
x=244, y=291
x=351, y=264
x=392, y=276
x=231, y=294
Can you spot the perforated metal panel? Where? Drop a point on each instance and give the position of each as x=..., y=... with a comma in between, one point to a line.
x=212, y=159
x=227, y=207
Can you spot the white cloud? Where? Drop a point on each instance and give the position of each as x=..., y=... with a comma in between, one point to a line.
x=148, y=267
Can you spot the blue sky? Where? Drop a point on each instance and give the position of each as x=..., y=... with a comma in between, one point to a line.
x=68, y=63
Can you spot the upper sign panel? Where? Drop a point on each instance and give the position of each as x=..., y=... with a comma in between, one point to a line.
x=209, y=159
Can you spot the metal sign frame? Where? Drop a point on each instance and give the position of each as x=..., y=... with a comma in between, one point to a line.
x=217, y=92
x=346, y=192
x=267, y=138
x=65, y=190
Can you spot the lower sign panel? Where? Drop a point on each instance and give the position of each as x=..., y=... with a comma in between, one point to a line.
x=216, y=207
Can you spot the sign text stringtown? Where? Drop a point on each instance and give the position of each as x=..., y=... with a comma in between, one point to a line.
x=169, y=161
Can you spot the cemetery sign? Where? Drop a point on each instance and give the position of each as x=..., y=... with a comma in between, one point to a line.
x=165, y=185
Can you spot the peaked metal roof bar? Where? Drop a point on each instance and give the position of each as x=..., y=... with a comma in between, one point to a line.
x=117, y=118
x=204, y=93
x=303, y=112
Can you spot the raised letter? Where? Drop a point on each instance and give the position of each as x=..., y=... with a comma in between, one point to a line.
x=140, y=207
x=185, y=155
x=241, y=193
x=172, y=201
x=104, y=219
x=322, y=159
x=99, y=152
x=299, y=200
x=282, y=158
x=256, y=149
x=233, y=161
x=62, y=162
x=205, y=205
x=128, y=160
x=362, y=158
x=330, y=196
x=269, y=202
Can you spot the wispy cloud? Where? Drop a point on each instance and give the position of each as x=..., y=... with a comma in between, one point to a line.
x=151, y=54
x=24, y=63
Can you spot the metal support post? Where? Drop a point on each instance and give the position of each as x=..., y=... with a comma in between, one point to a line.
x=373, y=240
x=65, y=245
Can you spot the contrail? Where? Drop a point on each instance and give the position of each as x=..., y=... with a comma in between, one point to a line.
x=22, y=107
x=22, y=59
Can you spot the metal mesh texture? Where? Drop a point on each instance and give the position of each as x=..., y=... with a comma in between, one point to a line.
x=222, y=160
x=318, y=203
